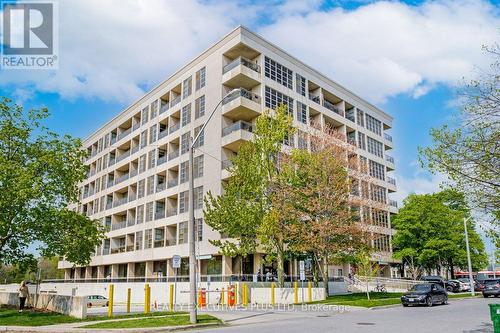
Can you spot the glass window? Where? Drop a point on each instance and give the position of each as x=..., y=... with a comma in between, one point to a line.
x=144, y=115
x=186, y=114
x=373, y=124
x=300, y=84
x=277, y=72
x=199, y=107
x=187, y=87
x=185, y=143
x=148, y=239
x=302, y=112
x=200, y=78
x=154, y=109
x=275, y=98
x=184, y=172
x=377, y=170
x=375, y=147
x=198, y=166
x=183, y=202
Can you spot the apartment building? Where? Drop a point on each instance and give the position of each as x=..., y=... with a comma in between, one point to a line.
x=137, y=184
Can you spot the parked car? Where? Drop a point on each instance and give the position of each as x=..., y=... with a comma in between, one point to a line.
x=434, y=279
x=97, y=300
x=491, y=288
x=479, y=285
x=453, y=286
x=425, y=294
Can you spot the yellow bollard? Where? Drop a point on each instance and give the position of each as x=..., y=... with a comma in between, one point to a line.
x=128, y=299
x=110, y=300
x=171, y=299
x=236, y=293
x=222, y=297
x=244, y=299
x=295, y=292
x=272, y=293
x=147, y=298
x=309, y=292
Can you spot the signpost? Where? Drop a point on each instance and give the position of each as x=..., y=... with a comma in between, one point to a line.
x=176, y=263
x=302, y=272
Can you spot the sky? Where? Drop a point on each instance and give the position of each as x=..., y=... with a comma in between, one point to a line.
x=406, y=57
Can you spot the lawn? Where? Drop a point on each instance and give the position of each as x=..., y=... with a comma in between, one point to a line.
x=154, y=322
x=359, y=299
x=11, y=317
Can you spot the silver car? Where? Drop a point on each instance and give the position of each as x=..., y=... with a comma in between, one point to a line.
x=96, y=300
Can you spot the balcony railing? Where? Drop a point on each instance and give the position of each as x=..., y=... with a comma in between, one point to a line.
x=160, y=214
x=388, y=137
x=314, y=99
x=159, y=243
x=133, y=173
x=330, y=106
x=164, y=107
x=134, y=150
x=122, y=178
x=174, y=128
x=170, y=241
x=162, y=134
x=119, y=202
x=389, y=158
x=172, y=182
x=119, y=225
x=130, y=248
x=241, y=61
x=175, y=101
x=171, y=211
x=173, y=155
x=226, y=164
x=132, y=197
x=241, y=92
x=162, y=160
x=393, y=203
x=109, y=204
x=130, y=222
x=118, y=249
x=239, y=125
x=111, y=161
x=391, y=180
x=136, y=126
x=123, y=156
x=124, y=134
x=160, y=187
x=111, y=182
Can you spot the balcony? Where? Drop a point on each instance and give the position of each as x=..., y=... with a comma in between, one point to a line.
x=172, y=183
x=241, y=72
x=241, y=104
x=171, y=241
x=123, y=156
x=164, y=107
x=391, y=180
x=173, y=155
x=118, y=250
x=389, y=159
x=330, y=106
x=130, y=248
x=124, y=134
x=175, y=101
x=171, y=211
x=130, y=222
x=387, y=137
x=162, y=134
x=159, y=243
x=162, y=160
x=120, y=202
x=174, y=128
x=160, y=214
x=111, y=161
x=122, y=178
x=393, y=203
x=160, y=187
x=119, y=225
x=234, y=135
x=226, y=164
x=136, y=126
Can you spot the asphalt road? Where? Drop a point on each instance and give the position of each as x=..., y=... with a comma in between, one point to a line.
x=470, y=315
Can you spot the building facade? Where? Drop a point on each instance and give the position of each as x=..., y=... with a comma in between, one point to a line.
x=137, y=184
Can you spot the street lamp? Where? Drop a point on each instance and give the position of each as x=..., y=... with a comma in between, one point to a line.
x=471, y=280
x=191, y=225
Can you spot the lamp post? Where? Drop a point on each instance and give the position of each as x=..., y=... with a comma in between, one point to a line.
x=471, y=280
x=191, y=225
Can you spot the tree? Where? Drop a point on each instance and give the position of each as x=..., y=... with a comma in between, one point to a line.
x=430, y=232
x=244, y=213
x=366, y=268
x=470, y=154
x=39, y=176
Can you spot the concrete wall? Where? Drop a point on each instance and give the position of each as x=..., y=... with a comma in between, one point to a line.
x=285, y=295
x=68, y=305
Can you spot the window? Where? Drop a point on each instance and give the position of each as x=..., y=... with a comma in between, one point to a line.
x=378, y=193
x=200, y=78
x=375, y=147
x=183, y=232
x=183, y=202
x=144, y=138
x=199, y=107
x=152, y=158
x=382, y=242
x=140, y=214
x=198, y=166
x=361, y=141
x=363, y=164
x=199, y=229
x=142, y=163
x=140, y=188
x=151, y=185
x=300, y=84
x=275, y=98
x=144, y=115
x=360, y=119
x=198, y=197
x=148, y=238
x=377, y=170
x=138, y=240
x=152, y=133
x=185, y=143
x=201, y=139
x=186, y=87
x=302, y=140
x=106, y=141
x=373, y=124
x=186, y=115
x=154, y=109
x=184, y=172
x=277, y=72
x=149, y=211
x=302, y=112
x=380, y=218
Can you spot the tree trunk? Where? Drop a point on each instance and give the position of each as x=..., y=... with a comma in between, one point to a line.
x=315, y=272
x=367, y=288
x=281, y=281
x=452, y=271
x=325, y=275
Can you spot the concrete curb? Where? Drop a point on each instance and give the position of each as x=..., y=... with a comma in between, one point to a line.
x=49, y=329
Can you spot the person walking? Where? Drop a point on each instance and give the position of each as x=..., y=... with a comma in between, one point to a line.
x=23, y=295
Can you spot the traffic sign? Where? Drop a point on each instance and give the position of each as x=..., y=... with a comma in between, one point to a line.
x=176, y=261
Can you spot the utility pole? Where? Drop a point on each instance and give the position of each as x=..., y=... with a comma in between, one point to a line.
x=471, y=280
x=191, y=225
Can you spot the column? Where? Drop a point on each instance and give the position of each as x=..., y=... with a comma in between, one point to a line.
x=88, y=272
x=100, y=272
x=170, y=269
x=130, y=271
x=257, y=263
x=67, y=273
x=227, y=265
x=114, y=271
x=78, y=273
x=149, y=269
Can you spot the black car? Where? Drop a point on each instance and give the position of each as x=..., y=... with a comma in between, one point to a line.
x=434, y=279
x=453, y=286
x=425, y=294
x=491, y=288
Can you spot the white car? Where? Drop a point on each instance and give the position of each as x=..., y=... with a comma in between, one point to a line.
x=96, y=300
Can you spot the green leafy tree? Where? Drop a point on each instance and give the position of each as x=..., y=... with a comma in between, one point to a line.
x=245, y=213
x=367, y=268
x=469, y=154
x=39, y=174
x=430, y=232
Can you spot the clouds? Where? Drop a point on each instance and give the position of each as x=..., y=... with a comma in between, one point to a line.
x=113, y=50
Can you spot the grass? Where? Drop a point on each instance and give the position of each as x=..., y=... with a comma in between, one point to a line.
x=154, y=322
x=359, y=299
x=464, y=295
x=11, y=317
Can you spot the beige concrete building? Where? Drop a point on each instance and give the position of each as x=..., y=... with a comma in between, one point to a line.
x=138, y=179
